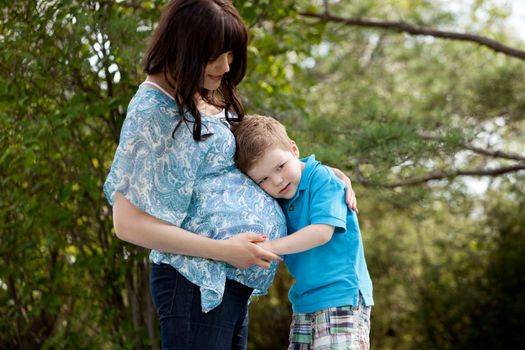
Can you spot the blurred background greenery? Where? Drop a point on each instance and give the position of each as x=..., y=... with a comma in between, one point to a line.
x=429, y=127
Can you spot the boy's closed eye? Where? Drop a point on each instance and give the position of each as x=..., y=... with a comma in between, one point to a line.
x=279, y=167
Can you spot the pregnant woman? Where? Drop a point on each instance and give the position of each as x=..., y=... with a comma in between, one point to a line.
x=174, y=186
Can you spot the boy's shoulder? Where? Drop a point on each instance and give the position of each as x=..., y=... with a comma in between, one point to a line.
x=319, y=174
x=323, y=171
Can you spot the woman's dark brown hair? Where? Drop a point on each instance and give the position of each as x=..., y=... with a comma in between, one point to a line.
x=189, y=35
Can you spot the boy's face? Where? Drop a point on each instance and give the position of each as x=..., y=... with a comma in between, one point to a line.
x=278, y=172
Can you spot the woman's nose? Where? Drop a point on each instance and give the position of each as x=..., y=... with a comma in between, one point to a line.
x=223, y=63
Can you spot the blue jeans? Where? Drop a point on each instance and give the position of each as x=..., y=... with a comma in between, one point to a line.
x=182, y=323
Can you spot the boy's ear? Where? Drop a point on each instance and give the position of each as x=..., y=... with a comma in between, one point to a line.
x=294, y=148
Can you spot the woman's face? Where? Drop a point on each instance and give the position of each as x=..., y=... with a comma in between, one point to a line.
x=215, y=70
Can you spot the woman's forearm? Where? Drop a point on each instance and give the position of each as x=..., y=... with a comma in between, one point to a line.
x=137, y=227
x=134, y=226
x=350, y=197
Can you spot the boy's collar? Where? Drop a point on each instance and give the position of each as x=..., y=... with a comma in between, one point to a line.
x=307, y=172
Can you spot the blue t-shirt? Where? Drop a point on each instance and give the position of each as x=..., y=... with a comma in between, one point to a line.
x=335, y=273
x=192, y=185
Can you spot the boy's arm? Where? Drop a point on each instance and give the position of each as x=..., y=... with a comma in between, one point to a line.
x=306, y=238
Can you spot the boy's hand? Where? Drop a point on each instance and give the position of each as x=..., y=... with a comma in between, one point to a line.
x=243, y=251
x=267, y=245
x=351, y=200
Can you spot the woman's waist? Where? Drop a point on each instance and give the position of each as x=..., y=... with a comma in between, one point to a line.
x=211, y=274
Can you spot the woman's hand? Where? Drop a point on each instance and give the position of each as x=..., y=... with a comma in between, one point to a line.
x=351, y=200
x=242, y=251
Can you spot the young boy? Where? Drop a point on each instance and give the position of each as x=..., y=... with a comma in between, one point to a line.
x=332, y=294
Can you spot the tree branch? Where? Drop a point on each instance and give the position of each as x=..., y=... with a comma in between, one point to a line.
x=496, y=154
x=326, y=9
x=413, y=30
x=479, y=150
x=440, y=175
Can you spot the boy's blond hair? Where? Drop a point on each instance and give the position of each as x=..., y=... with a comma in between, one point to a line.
x=255, y=135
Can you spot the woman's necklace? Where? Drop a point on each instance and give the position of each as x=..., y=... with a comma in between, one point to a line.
x=152, y=83
x=202, y=106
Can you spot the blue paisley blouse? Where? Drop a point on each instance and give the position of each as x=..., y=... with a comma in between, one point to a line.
x=192, y=185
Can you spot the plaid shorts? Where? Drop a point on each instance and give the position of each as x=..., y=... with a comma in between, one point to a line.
x=336, y=328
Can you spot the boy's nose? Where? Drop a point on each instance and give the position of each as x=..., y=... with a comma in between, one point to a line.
x=277, y=180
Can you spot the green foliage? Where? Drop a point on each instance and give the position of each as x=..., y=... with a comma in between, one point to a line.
x=63, y=283
x=270, y=315
x=477, y=283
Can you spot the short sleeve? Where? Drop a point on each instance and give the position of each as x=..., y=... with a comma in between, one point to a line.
x=327, y=202
x=152, y=168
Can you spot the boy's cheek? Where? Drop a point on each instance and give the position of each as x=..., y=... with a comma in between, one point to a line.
x=266, y=189
x=264, y=186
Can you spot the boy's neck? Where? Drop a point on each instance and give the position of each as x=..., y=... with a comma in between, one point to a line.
x=303, y=165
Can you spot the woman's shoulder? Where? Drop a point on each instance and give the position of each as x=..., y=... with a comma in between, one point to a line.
x=149, y=103
x=151, y=112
